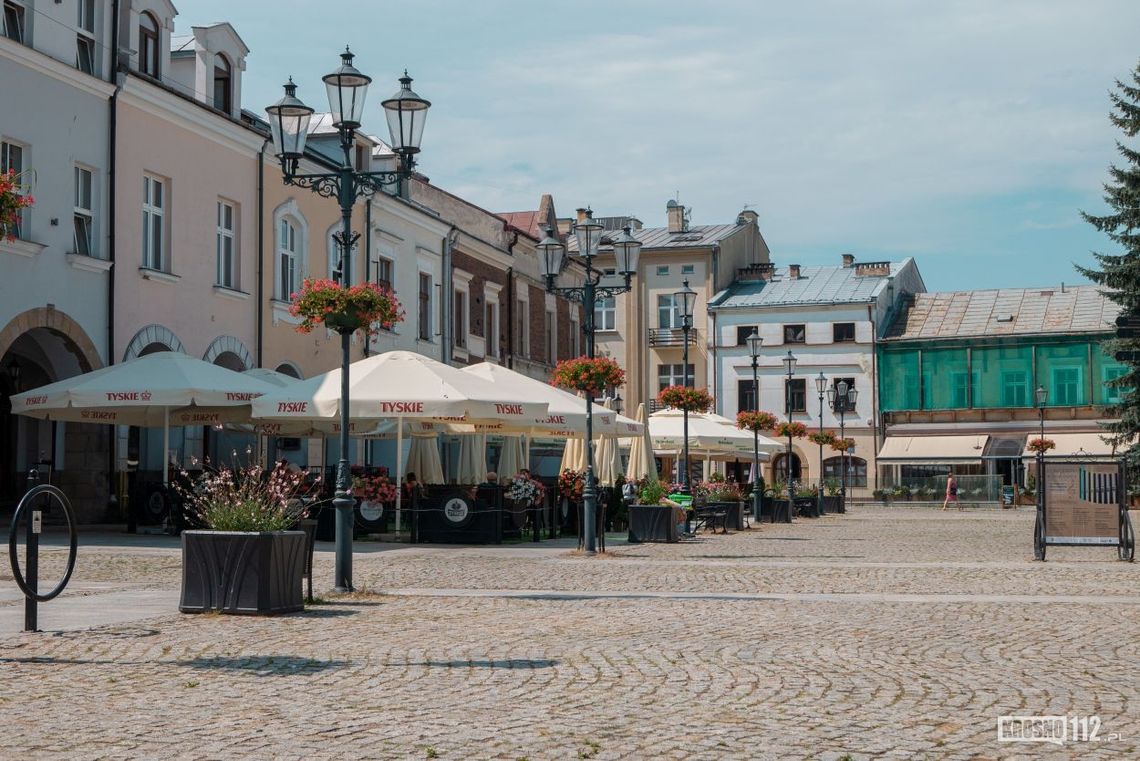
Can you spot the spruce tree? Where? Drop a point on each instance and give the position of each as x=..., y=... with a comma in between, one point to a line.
x=1119, y=273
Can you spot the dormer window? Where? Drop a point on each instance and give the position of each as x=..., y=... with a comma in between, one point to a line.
x=148, y=45
x=223, y=84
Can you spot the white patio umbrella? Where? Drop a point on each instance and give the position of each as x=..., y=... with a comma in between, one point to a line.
x=511, y=457
x=423, y=459
x=706, y=435
x=398, y=385
x=641, y=461
x=607, y=458
x=573, y=455
x=161, y=389
x=471, y=467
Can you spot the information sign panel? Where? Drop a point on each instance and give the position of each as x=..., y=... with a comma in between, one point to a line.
x=1082, y=503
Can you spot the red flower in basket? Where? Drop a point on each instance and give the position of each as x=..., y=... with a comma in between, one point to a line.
x=592, y=376
x=756, y=421
x=822, y=438
x=842, y=445
x=794, y=429
x=683, y=398
x=367, y=306
x=1041, y=446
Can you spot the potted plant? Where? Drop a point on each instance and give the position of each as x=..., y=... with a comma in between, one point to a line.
x=588, y=375
x=728, y=495
x=756, y=421
x=1041, y=445
x=13, y=198
x=822, y=438
x=793, y=428
x=366, y=306
x=830, y=499
x=684, y=398
x=248, y=559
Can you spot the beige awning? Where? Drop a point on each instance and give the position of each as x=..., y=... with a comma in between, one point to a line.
x=1072, y=445
x=932, y=450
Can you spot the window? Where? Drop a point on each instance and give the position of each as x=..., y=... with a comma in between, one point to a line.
x=84, y=216
x=1014, y=385
x=673, y=375
x=85, y=39
x=662, y=269
x=575, y=332
x=12, y=160
x=794, y=334
x=843, y=405
x=1066, y=389
x=424, y=311
x=669, y=312
x=856, y=470
x=384, y=272
x=688, y=269
x=491, y=327
x=154, y=224
x=745, y=396
x=222, y=84
x=1111, y=373
x=13, y=21
x=743, y=331
x=227, y=261
x=842, y=332
x=459, y=319
x=551, y=345
x=605, y=314
x=960, y=389
x=522, y=328
x=796, y=395
x=286, y=260
x=148, y=45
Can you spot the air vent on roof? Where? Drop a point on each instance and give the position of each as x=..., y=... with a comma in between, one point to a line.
x=1004, y=318
x=1046, y=293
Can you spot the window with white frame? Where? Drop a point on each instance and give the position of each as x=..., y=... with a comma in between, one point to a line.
x=673, y=375
x=688, y=269
x=424, y=307
x=154, y=224
x=14, y=21
x=12, y=160
x=223, y=84
x=1066, y=386
x=84, y=215
x=1110, y=373
x=669, y=311
x=605, y=313
x=226, y=246
x=287, y=259
x=459, y=318
x=662, y=270
x=148, y=45
x=85, y=37
x=384, y=272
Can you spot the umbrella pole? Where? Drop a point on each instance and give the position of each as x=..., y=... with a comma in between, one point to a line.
x=399, y=468
x=165, y=446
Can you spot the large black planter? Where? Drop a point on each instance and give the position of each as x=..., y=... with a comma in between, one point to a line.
x=652, y=523
x=830, y=504
x=243, y=572
x=733, y=519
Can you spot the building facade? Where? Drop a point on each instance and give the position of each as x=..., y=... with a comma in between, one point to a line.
x=829, y=318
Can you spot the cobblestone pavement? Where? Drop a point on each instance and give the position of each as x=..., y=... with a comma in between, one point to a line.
x=879, y=634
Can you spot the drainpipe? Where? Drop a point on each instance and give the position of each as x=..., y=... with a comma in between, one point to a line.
x=875, y=419
x=446, y=306
x=712, y=344
x=510, y=318
x=259, y=293
x=112, y=157
x=368, y=268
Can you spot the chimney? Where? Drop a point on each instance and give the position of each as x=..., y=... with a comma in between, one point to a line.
x=675, y=213
x=794, y=271
x=582, y=214
x=634, y=223
x=755, y=272
x=748, y=217
x=848, y=260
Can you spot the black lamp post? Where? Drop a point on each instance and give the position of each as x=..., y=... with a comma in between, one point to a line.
x=755, y=344
x=688, y=299
x=789, y=370
x=289, y=125
x=1040, y=396
x=820, y=387
x=552, y=260
x=842, y=398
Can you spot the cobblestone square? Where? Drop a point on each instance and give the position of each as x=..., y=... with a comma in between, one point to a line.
x=879, y=634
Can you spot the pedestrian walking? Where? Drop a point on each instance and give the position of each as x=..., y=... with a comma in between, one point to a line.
x=951, y=492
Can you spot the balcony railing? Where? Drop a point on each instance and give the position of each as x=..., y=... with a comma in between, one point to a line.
x=671, y=337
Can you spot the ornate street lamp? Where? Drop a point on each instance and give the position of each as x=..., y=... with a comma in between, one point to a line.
x=289, y=127
x=688, y=300
x=552, y=259
x=842, y=399
x=820, y=387
x=789, y=370
x=616, y=405
x=755, y=344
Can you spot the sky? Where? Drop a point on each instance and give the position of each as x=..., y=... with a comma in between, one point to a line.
x=968, y=134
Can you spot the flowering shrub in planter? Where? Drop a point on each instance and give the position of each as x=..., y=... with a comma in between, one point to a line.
x=367, y=306
x=374, y=488
x=688, y=399
x=822, y=438
x=523, y=489
x=571, y=483
x=794, y=429
x=756, y=421
x=842, y=445
x=1041, y=446
x=13, y=198
x=592, y=376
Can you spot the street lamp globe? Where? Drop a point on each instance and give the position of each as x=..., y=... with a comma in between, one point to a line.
x=852, y=396
x=841, y=392
x=1041, y=396
x=688, y=300
x=617, y=405
x=289, y=124
x=588, y=231
x=406, y=114
x=551, y=256
x=346, y=88
x=790, y=363
x=755, y=343
x=820, y=383
x=627, y=249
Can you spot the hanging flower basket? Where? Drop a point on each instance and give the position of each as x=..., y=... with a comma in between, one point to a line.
x=756, y=421
x=822, y=438
x=688, y=399
x=794, y=429
x=1041, y=446
x=368, y=307
x=592, y=376
x=571, y=483
x=13, y=198
x=842, y=445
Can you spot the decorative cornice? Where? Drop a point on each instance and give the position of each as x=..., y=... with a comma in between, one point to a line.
x=199, y=118
x=45, y=64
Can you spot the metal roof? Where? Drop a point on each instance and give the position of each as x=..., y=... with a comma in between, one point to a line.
x=1006, y=311
x=815, y=285
x=660, y=237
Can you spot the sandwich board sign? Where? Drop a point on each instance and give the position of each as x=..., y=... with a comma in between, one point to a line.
x=1083, y=504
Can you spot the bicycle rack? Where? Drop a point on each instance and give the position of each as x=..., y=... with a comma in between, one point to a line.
x=45, y=495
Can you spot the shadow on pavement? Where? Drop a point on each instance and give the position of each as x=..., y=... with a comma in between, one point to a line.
x=270, y=665
x=510, y=663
